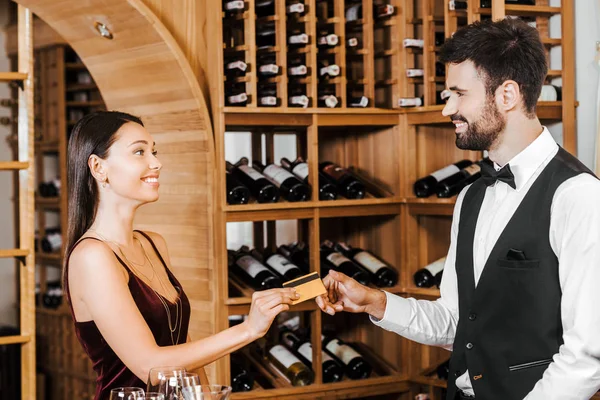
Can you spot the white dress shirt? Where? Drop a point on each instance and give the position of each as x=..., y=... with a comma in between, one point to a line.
x=574, y=235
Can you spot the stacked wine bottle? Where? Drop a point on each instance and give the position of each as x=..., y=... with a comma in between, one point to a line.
x=448, y=181
x=289, y=181
x=269, y=269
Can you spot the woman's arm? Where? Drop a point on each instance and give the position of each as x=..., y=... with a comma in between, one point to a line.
x=97, y=282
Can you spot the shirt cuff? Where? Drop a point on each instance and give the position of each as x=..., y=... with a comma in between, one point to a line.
x=397, y=315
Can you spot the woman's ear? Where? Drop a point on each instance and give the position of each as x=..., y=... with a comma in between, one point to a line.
x=98, y=169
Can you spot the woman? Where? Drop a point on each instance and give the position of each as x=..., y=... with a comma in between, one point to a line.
x=130, y=312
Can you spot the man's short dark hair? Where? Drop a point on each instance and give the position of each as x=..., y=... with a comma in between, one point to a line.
x=508, y=49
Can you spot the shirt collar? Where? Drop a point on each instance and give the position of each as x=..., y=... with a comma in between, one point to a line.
x=524, y=164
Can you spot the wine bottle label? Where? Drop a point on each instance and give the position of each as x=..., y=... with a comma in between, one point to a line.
x=331, y=70
x=251, y=265
x=436, y=266
x=369, y=261
x=238, y=98
x=283, y=355
x=263, y=3
x=251, y=172
x=330, y=101
x=353, y=12
x=342, y=351
x=234, y=5
x=384, y=10
x=413, y=43
x=55, y=240
x=298, y=70
x=352, y=42
x=472, y=169
x=306, y=350
x=300, y=100
x=337, y=259
x=301, y=170
x=277, y=173
x=280, y=264
x=242, y=66
x=445, y=172
x=292, y=323
x=413, y=72
x=268, y=69
x=268, y=101
x=329, y=40
x=548, y=93
x=361, y=101
x=298, y=39
x=457, y=5
x=295, y=8
x=410, y=102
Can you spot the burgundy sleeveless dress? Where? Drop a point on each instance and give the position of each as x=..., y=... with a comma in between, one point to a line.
x=112, y=373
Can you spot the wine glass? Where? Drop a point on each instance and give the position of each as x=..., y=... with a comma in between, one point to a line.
x=166, y=380
x=206, y=392
x=126, y=393
x=153, y=396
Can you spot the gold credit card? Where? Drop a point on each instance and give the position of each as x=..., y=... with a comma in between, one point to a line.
x=307, y=286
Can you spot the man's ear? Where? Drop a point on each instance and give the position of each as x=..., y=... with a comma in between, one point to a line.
x=97, y=168
x=508, y=95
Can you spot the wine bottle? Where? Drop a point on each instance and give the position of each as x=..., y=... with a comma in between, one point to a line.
x=438, y=278
x=49, y=189
x=296, y=9
x=297, y=68
x=353, y=43
x=298, y=254
x=355, y=366
x=52, y=241
x=414, y=43
x=443, y=370
x=361, y=101
x=278, y=263
x=267, y=97
x=454, y=5
x=297, y=38
x=331, y=259
x=235, y=68
x=261, y=188
x=290, y=187
x=427, y=186
x=550, y=93
x=299, y=100
x=294, y=369
x=382, y=274
x=264, y=8
x=453, y=184
x=327, y=99
x=236, y=192
x=265, y=36
x=425, y=277
x=236, y=97
x=328, y=40
x=439, y=38
x=327, y=70
x=242, y=379
x=410, y=102
x=332, y=371
x=327, y=190
x=267, y=66
x=252, y=271
x=354, y=12
x=347, y=184
x=414, y=72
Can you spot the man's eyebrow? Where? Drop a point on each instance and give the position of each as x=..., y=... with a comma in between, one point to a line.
x=457, y=89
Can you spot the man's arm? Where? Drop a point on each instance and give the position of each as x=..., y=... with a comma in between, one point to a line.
x=427, y=322
x=574, y=373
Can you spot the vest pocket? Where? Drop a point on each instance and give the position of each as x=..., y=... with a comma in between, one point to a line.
x=533, y=364
x=518, y=264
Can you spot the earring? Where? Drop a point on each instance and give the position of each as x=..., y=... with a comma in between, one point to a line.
x=104, y=183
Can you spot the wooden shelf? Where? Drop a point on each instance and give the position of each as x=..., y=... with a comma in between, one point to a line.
x=90, y=103
x=430, y=293
x=9, y=253
x=552, y=41
x=19, y=339
x=425, y=380
x=531, y=11
x=431, y=205
x=13, y=165
x=75, y=87
x=51, y=203
x=12, y=76
x=50, y=258
x=75, y=66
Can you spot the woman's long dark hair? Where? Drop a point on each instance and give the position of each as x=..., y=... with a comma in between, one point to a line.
x=93, y=134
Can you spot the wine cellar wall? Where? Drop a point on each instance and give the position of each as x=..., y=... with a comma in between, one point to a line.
x=359, y=84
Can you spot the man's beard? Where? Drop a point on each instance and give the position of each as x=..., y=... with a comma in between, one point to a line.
x=481, y=134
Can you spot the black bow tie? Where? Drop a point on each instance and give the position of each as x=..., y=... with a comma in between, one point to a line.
x=490, y=175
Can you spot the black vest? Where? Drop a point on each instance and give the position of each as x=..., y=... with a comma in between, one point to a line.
x=510, y=325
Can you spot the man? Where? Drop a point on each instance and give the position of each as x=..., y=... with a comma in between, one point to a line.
x=520, y=284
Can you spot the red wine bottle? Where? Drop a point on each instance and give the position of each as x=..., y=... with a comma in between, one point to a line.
x=347, y=184
x=327, y=70
x=358, y=102
x=381, y=274
x=267, y=97
x=327, y=190
x=233, y=6
x=355, y=366
x=427, y=186
x=278, y=263
x=331, y=259
x=267, y=66
x=236, y=192
x=261, y=188
x=290, y=187
x=326, y=40
x=265, y=35
x=298, y=254
x=453, y=184
x=426, y=277
x=252, y=271
x=235, y=67
x=242, y=378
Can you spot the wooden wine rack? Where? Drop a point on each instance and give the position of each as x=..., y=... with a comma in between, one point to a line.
x=388, y=144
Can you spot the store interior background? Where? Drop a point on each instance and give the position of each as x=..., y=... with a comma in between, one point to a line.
x=587, y=34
